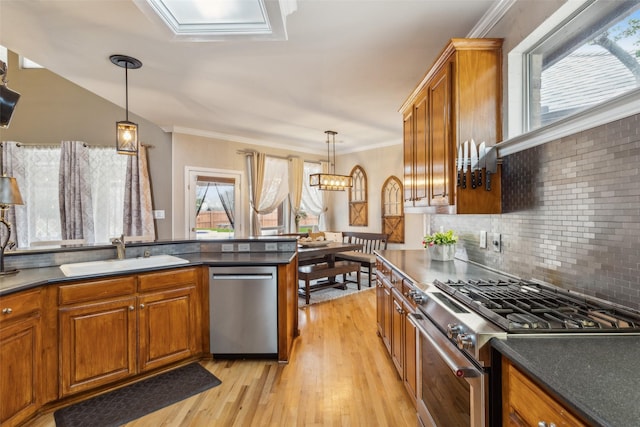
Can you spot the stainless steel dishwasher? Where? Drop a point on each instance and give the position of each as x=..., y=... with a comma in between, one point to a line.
x=243, y=311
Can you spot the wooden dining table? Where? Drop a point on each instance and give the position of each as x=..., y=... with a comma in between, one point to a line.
x=320, y=254
x=319, y=261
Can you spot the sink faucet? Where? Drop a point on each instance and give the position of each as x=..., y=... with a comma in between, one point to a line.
x=120, y=246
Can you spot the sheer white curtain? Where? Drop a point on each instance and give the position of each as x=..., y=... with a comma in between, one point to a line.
x=108, y=171
x=13, y=165
x=312, y=199
x=138, y=214
x=296, y=178
x=269, y=185
x=74, y=188
x=275, y=184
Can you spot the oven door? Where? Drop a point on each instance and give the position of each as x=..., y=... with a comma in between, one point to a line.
x=452, y=391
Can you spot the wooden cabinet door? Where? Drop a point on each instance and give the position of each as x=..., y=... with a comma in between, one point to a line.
x=421, y=149
x=386, y=310
x=167, y=327
x=408, y=155
x=526, y=404
x=97, y=344
x=397, y=332
x=20, y=362
x=410, y=347
x=440, y=155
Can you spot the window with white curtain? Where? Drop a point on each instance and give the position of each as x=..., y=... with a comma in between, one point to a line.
x=40, y=192
x=108, y=173
x=311, y=202
x=275, y=189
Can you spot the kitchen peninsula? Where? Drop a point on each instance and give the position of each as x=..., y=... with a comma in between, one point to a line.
x=67, y=338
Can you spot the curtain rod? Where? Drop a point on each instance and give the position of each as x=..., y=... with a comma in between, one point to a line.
x=252, y=152
x=84, y=144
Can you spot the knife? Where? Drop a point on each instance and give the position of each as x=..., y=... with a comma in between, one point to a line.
x=492, y=165
x=465, y=156
x=474, y=163
x=459, y=164
x=482, y=151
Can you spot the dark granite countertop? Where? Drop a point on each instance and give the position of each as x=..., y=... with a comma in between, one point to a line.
x=417, y=266
x=595, y=376
x=32, y=277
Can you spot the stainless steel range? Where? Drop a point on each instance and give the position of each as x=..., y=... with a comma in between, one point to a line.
x=456, y=320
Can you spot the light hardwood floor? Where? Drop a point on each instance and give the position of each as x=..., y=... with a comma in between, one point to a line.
x=340, y=375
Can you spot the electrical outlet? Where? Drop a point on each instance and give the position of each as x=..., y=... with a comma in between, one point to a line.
x=483, y=239
x=496, y=242
x=227, y=247
x=271, y=247
x=244, y=247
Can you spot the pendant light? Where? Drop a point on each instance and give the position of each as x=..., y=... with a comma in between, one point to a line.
x=126, y=131
x=331, y=181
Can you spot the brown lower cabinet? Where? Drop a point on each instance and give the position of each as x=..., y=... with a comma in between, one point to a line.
x=20, y=356
x=115, y=328
x=395, y=328
x=524, y=403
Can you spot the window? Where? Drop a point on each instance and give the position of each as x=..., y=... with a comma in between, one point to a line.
x=311, y=202
x=40, y=192
x=589, y=58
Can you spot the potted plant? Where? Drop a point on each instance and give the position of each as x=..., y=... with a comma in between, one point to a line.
x=441, y=245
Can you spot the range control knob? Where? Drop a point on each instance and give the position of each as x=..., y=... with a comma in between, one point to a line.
x=465, y=342
x=453, y=329
x=418, y=298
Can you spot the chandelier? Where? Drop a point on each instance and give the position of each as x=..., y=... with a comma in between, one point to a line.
x=330, y=181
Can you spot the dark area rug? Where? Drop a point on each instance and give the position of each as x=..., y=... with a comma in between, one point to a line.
x=136, y=400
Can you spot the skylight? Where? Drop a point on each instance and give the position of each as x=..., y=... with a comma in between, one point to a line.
x=222, y=19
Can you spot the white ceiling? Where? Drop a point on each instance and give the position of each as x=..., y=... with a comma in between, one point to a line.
x=347, y=66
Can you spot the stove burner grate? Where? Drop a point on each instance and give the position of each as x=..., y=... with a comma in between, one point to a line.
x=525, y=306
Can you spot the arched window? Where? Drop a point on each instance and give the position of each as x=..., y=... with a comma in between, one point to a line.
x=393, y=210
x=358, y=208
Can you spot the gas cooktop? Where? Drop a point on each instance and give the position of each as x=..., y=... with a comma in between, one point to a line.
x=518, y=306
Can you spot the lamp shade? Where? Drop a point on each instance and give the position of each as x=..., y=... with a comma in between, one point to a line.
x=9, y=191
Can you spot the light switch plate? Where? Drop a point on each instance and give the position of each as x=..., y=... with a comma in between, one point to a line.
x=244, y=247
x=227, y=247
x=158, y=214
x=483, y=239
x=496, y=242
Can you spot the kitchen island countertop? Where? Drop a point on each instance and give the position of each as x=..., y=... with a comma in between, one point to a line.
x=596, y=376
x=33, y=277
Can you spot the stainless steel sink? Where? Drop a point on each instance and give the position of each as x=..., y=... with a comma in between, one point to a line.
x=117, y=265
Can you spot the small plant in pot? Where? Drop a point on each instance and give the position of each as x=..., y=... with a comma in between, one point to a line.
x=441, y=245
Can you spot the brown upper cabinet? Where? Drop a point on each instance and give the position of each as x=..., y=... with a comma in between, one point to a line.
x=459, y=99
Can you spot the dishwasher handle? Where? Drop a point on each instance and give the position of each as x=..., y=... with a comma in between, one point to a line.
x=235, y=276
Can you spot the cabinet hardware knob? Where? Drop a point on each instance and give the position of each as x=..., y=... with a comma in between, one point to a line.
x=141, y=305
x=7, y=310
x=131, y=308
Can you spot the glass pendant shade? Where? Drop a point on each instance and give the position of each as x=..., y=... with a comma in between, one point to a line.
x=127, y=137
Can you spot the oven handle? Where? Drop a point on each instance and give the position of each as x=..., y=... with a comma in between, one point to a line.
x=457, y=362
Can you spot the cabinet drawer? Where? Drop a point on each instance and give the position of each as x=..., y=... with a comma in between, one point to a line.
x=19, y=304
x=96, y=290
x=529, y=404
x=166, y=279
